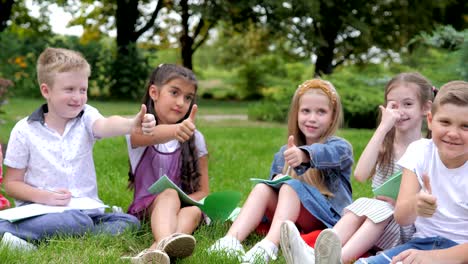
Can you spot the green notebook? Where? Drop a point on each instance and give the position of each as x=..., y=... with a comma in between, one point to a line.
x=390, y=187
x=273, y=183
x=217, y=205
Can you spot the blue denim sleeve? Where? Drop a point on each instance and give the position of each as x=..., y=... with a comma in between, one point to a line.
x=335, y=154
x=278, y=163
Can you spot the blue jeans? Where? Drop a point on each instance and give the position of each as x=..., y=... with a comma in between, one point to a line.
x=71, y=223
x=428, y=243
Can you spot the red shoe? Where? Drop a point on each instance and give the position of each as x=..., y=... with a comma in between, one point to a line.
x=4, y=203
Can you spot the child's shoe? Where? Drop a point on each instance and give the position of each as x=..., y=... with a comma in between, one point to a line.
x=328, y=248
x=295, y=250
x=14, y=242
x=148, y=256
x=261, y=253
x=178, y=245
x=228, y=245
x=4, y=203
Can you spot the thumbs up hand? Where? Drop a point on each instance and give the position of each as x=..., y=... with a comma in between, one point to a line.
x=145, y=120
x=186, y=128
x=293, y=155
x=426, y=203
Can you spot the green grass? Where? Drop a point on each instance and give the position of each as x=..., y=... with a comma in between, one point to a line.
x=238, y=150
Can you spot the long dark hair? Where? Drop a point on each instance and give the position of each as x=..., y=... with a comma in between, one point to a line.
x=190, y=174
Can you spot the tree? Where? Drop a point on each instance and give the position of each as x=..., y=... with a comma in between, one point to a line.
x=197, y=18
x=131, y=19
x=14, y=15
x=5, y=13
x=342, y=30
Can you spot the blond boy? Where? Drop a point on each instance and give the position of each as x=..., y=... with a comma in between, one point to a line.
x=49, y=158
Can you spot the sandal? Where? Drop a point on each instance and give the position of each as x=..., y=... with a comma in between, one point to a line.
x=178, y=245
x=149, y=256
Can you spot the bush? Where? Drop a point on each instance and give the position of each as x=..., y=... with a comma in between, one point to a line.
x=270, y=111
x=255, y=75
x=444, y=37
x=4, y=84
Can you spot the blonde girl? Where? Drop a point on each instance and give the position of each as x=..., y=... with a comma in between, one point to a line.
x=320, y=164
x=175, y=149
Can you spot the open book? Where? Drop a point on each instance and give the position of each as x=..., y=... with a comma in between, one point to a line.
x=273, y=183
x=217, y=205
x=391, y=187
x=34, y=209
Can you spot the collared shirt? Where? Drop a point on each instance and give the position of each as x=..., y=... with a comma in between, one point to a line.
x=52, y=160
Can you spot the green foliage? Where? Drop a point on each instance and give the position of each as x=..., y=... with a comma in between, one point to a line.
x=464, y=61
x=270, y=111
x=19, y=55
x=130, y=72
x=444, y=37
x=258, y=73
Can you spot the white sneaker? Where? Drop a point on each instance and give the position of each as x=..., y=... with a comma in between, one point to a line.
x=228, y=245
x=295, y=250
x=149, y=256
x=260, y=254
x=14, y=242
x=328, y=248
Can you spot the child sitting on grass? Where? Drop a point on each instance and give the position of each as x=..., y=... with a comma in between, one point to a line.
x=50, y=154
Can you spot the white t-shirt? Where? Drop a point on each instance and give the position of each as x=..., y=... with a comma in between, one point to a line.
x=449, y=186
x=168, y=147
x=52, y=160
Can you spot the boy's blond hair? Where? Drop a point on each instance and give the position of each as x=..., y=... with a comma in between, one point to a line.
x=454, y=92
x=57, y=60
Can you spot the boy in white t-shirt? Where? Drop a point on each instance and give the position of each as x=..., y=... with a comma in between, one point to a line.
x=50, y=154
x=434, y=188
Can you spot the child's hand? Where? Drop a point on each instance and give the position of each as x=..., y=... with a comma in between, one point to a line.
x=414, y=256
x=294, y=156
x=426, y=203
x=390, y=115
x=278, y=176
x=58, y=197
x=186, y=128
x=146, y=121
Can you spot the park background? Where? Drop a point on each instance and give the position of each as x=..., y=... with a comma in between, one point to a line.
x=249, y=57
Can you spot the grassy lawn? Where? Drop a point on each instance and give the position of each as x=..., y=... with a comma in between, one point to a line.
x=238, y=151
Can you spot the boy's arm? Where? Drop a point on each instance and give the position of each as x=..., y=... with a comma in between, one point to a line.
x=456, y=255
x=117, y=125
x=18, y=189
x=204, y=181
x=405, y=208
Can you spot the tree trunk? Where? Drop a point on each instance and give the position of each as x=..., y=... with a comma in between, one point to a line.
x=5, y=13
x=187, y=52
x=324, y=63
x=186, y=41
x=125, y=18
x=325, y=53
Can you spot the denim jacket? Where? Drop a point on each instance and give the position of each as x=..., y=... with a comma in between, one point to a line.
x=334, y=158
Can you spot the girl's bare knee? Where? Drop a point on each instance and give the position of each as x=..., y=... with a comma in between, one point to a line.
x=168, y=193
